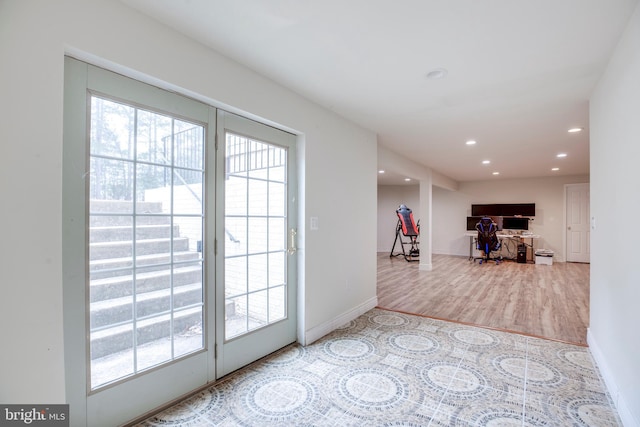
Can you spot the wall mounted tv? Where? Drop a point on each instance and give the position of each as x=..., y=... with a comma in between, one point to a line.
x=504, y=209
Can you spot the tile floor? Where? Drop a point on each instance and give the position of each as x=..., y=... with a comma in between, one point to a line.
x=393, y=369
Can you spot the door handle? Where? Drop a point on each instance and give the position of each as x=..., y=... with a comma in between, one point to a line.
x=292, y=242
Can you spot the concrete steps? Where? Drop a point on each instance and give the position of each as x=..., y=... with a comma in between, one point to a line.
x=115, y=220
x=117, y=338
x=121, y=286
x=112, y=267
x=121, y=249
x=116, y=310
x=163, y=279
x=125, y=232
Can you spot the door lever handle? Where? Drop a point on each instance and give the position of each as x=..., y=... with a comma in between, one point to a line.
x=292, y=242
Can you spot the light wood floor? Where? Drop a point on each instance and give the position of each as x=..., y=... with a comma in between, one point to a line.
x=549, y=301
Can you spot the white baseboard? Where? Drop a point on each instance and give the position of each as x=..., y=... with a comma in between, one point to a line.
x=319, y=331
x=626, y=416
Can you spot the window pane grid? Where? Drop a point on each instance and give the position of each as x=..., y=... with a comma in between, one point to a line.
x=255, y=214
x=160, y=314
x=186, y=170
x=146, y=233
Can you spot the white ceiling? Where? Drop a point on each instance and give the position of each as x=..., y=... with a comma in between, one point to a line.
x=520, y=72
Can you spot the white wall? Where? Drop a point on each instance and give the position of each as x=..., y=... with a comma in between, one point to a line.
x=615, y=270
x=34, y=36
x=451, y=208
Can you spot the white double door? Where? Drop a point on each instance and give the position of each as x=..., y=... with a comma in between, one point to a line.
x=224, y=188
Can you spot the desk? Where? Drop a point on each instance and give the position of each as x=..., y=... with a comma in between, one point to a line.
x=501, y=236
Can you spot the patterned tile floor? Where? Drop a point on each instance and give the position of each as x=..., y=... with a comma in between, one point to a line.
x=393, y=369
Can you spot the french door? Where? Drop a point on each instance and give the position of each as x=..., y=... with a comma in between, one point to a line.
x=176, y=262
x=258, y=270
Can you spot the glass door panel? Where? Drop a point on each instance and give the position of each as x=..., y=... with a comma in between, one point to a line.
x=134, y=164
x=258, y=283
x=261, y=211
x=150, y=310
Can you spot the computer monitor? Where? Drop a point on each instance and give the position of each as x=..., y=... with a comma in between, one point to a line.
x=473, y=220
x=515, y=223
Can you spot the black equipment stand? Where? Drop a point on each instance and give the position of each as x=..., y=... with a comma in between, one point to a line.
x=406, y=227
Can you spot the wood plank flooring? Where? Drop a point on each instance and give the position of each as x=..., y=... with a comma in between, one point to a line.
x=549, y=301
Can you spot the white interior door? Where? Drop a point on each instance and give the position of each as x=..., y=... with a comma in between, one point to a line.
x=578, y=232
x=256, y=289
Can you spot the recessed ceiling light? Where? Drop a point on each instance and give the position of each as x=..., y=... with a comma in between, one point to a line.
x=496, y=173
x=560, y=155
x=470, y=142
x=486, y=162
x=437, y=73
x=407, y=179
x=574, y=130
x=555, y=169
x=380, y=171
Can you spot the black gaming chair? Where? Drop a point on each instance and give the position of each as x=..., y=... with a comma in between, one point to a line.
x=487, y=241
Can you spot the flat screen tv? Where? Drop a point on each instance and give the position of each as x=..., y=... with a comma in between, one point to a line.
x=481, y=210
x=504, y=209
x=519, y=209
